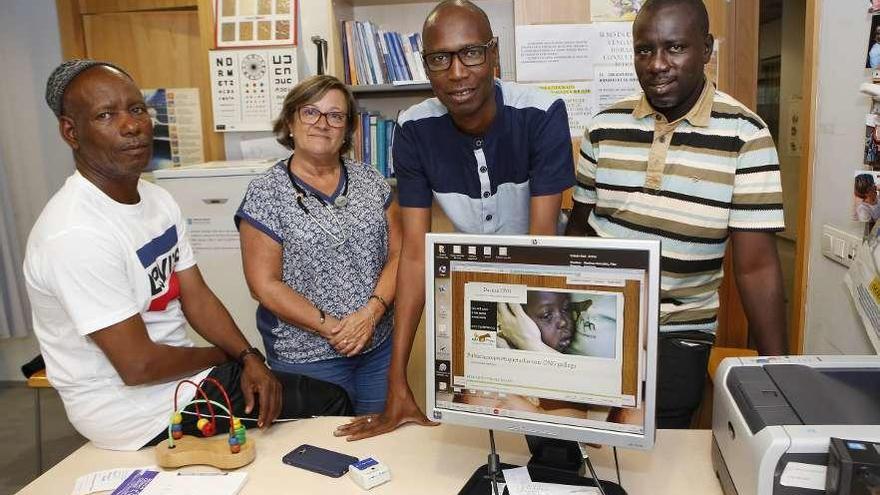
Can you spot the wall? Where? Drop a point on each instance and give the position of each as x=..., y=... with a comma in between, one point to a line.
x=36, y=159
x=313, y=20
x=832, y=323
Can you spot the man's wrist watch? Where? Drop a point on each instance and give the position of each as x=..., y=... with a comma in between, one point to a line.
x=250, y=350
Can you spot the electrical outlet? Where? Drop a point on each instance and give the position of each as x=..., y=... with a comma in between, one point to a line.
x=839, y=245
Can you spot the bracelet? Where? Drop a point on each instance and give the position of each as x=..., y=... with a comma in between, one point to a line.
x=372, y=320
x=250, y=350
x=321, y=316
x=381, y=301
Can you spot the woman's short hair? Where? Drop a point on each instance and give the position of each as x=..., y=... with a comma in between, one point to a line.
x=308, y=91
x=863, y=185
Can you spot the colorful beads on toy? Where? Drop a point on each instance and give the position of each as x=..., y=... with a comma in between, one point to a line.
x=234, y=446
x=241, y=435
x=236, y=423
x=200, y=424
x=209, y=429
x=176, y=418
x=177, y=431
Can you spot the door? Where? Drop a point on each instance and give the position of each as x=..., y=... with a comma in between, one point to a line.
x=158, y=42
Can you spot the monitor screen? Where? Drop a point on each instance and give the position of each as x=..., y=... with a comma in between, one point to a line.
x=548, y=336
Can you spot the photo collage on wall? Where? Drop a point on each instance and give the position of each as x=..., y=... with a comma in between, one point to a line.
x=865, y=207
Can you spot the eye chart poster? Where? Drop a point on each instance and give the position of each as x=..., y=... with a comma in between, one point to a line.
x=248, y=86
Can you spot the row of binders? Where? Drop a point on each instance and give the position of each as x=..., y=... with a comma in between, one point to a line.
x=375, y=56
x=371, y=142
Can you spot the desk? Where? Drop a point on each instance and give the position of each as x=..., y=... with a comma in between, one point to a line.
x=423, y=460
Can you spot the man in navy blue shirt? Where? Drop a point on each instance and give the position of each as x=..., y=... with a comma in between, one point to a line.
x=495, y=155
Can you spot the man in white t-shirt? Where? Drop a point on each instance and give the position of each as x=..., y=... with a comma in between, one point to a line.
x=112, y=282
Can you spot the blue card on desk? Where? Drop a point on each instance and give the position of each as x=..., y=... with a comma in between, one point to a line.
x=135, y=483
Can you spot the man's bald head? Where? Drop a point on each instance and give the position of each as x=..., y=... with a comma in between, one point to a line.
x=696, y=7
x=78, y=95
x=461, y=10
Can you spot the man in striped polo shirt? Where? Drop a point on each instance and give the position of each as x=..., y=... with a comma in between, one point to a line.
x=496, y=156
x=689, y=165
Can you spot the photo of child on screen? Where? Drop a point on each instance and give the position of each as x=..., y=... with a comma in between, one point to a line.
x=552, y=322
x=564, y=322
x=545, y=323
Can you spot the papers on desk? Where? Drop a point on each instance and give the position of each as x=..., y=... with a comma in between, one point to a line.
x=800, y=475
x=863, y=282
x=103, y=481
x=148, y=482
x=519, y=482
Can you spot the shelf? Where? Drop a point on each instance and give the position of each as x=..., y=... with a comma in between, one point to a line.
x=371, y=3
x=390, y=88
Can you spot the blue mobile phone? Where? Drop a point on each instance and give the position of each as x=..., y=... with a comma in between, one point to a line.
x=318, y=460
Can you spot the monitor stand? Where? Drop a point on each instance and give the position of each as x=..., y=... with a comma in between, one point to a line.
x=553, y=461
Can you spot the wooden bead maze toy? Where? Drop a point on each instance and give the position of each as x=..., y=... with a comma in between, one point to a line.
x=231, y=452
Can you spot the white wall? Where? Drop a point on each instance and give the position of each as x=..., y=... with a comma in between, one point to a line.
x=35, y=157
x=832, y=324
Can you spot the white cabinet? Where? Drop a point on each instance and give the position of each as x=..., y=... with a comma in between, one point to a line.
x=209, y=195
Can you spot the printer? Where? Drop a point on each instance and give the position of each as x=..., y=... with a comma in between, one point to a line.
x=774, y=413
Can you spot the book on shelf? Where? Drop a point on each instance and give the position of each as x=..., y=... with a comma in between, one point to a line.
x=393, y=70
x=372, y=140
x=365, y=119
x=390, y=126
x=381, y=147
x=370, y=43
x=374, y=56
x=348, y=54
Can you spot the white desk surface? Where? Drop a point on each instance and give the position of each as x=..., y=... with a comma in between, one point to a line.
x=423, y=460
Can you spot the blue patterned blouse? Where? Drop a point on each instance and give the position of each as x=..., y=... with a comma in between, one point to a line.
x=332, y=255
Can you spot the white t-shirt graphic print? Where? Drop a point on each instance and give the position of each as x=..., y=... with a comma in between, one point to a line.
x=92, y=262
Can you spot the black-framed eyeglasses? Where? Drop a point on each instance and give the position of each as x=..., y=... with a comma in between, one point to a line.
x=311, y=115
x=470, y=56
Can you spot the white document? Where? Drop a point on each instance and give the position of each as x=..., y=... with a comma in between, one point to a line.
x=103, y=481
x=800, y=475
x=262, y=148
x=533, y=488
x=612, y=83
x=517, y=475
x=560, y=51
x=168, y=483
x=580, y=102
x=612, y=44
x=863, y=282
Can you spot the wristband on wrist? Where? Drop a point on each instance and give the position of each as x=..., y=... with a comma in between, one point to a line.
x=321, y=316
x=250, y=350
x=381, y=301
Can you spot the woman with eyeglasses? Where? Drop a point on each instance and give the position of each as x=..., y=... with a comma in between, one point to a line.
x=320, y=240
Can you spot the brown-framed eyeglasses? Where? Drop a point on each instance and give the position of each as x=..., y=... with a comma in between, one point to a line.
x=310, y=115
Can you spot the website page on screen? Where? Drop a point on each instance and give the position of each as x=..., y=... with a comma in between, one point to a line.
x=540, y=333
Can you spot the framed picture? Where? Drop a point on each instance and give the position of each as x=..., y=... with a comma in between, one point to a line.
x=243, y=23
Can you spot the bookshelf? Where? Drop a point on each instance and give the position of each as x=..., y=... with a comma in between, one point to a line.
x=375, y=89
x=406, y=16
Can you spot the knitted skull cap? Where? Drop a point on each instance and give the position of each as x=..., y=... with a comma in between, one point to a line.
x=64, y=74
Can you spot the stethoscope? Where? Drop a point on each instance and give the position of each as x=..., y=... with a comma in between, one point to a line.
x=339, y=202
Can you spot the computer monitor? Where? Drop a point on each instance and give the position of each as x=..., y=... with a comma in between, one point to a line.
x=546, y=336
